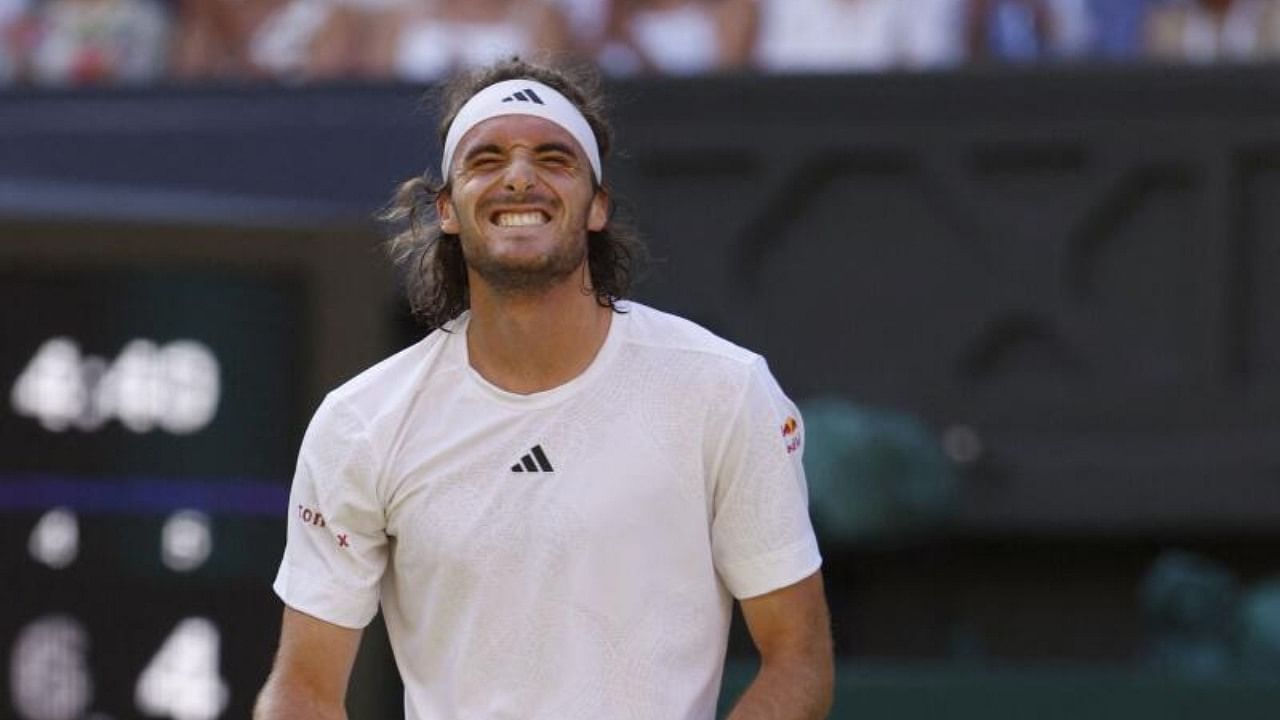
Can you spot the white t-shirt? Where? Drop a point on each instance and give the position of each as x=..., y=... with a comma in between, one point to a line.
x=429, y=48
x=566, y=554
x=842, y=35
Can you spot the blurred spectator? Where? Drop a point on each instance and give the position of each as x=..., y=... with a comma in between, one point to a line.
x=14, y=24
x=80, y=42
x=1209, y=30
x=350, y=41
x=1117, y=28
x=106, y=41
x=207, y=43
x=835, y=35
x=284, y=42
x=588, y=22
x=425, y=39
x=1027, y=30
x=679, y=37
x=248, y=38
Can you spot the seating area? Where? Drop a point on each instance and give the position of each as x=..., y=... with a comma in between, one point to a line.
x=112, y=42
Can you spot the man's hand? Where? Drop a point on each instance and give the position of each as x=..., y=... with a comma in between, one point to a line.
x=311, y=671
x=792, y=630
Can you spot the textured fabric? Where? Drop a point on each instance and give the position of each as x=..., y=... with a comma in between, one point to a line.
x=596, y=581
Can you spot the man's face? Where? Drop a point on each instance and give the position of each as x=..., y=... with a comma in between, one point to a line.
x=522, y=199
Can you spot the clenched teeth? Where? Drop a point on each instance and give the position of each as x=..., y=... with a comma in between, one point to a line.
x=520, y=219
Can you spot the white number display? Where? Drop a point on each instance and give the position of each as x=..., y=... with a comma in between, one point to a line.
x=55, y=540
x=48, y=674
x=175, y=387
x=52, y=388
x=186, y=540
x=182, y=681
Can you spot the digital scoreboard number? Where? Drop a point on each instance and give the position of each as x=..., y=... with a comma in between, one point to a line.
x=155, y=382
x=149, y=424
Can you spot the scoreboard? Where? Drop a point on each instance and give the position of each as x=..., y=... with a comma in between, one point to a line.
x=154, y=385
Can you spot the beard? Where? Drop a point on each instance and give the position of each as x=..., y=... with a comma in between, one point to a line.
x=525, y=276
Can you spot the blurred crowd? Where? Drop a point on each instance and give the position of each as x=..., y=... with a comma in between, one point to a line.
x=80, y=42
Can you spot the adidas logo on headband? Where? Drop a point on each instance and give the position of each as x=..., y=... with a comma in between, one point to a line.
x=525, y=95
x=521, y=96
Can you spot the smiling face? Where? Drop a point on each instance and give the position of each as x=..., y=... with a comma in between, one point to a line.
x=522, y=199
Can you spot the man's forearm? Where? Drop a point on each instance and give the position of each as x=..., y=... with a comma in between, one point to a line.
x=791, y=689
x=284, y=701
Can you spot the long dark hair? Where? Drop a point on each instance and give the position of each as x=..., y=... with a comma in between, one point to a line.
x=434, y=270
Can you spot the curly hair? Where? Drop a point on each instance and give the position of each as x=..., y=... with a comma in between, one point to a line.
x=432, y=262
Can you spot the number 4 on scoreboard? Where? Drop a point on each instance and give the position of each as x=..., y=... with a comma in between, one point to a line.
x=182, y=680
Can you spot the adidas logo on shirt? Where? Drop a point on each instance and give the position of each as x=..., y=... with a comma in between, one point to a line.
x=533, y=461
x=526, y=95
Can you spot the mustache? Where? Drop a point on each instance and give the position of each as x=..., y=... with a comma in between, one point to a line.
x=530, y=198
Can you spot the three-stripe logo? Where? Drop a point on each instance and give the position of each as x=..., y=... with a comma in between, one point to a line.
x=525, y=95
x=533, y=461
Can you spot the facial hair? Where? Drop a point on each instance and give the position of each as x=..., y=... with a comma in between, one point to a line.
x=507, y=277
x=526, y=276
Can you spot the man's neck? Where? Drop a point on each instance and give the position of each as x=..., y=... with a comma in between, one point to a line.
x=528, y=343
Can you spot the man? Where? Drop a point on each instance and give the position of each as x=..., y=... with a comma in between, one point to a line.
x=557, y=495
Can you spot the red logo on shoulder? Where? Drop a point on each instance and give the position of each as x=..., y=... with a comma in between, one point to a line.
x=791, y=434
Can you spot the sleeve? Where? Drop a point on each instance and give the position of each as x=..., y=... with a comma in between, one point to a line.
x=761, y=536
x=336, y=549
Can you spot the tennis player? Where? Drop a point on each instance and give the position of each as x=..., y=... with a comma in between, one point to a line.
x=556, y=496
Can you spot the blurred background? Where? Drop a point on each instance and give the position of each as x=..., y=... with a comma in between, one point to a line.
x=1010, y=256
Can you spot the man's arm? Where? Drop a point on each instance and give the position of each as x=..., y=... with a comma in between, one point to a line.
x=792, y=631
x=312, y=668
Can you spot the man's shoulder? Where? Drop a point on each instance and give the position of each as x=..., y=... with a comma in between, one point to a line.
x=392, y=380
x=663, y=331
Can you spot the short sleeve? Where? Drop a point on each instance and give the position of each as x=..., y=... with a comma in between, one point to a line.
x=761, y=536
x=336, y=550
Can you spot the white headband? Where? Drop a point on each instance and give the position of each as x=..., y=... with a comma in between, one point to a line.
x=521, y=97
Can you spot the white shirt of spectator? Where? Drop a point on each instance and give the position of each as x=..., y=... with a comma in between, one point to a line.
x=839, y=35
x=1204, y=40
x=587, y=19
x=429, y=49
x=678, y=41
